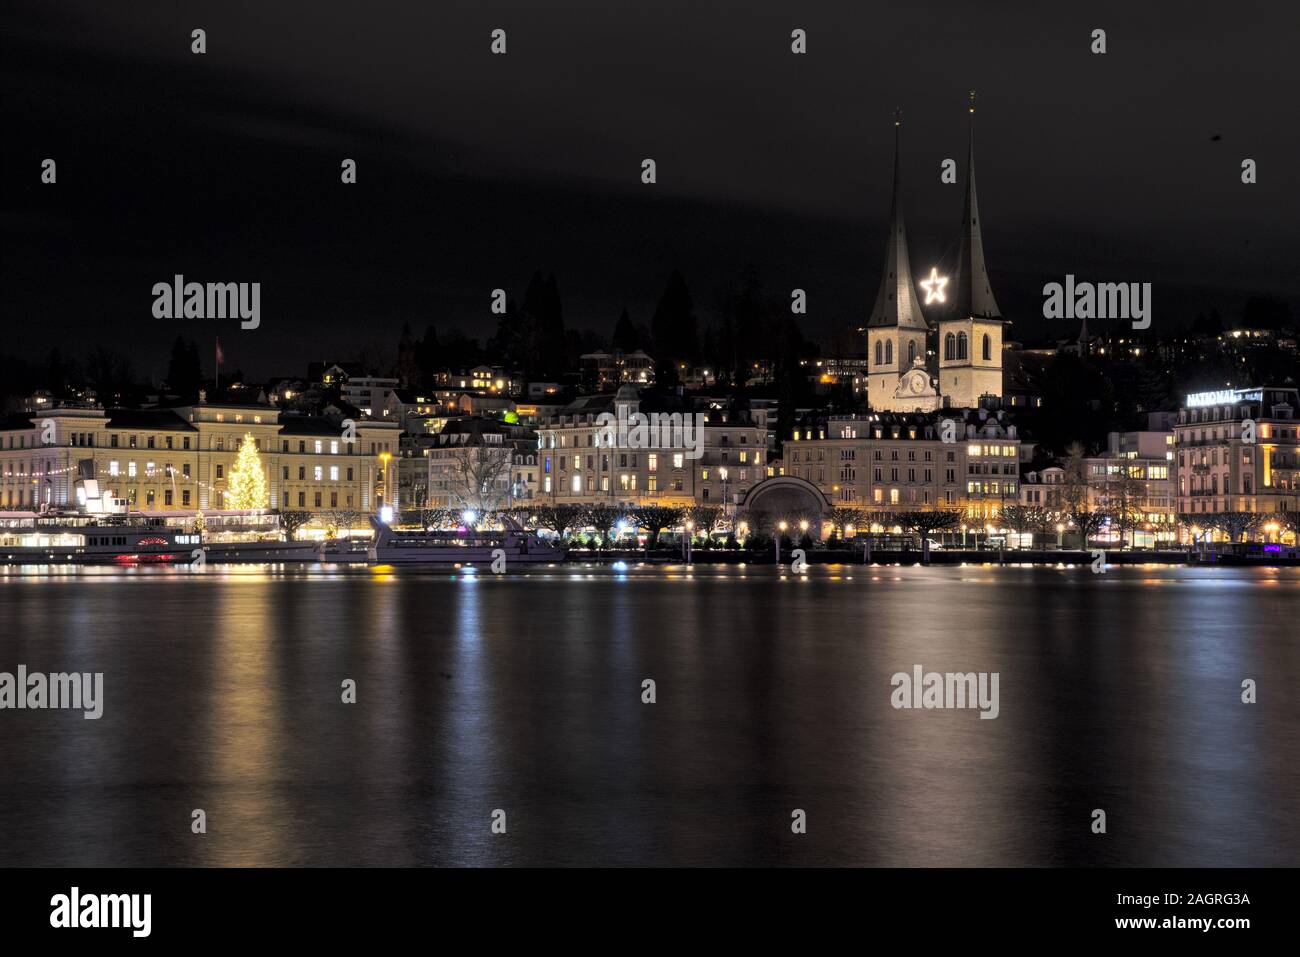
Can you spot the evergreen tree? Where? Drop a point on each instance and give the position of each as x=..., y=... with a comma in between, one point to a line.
x=427, y=355
x=674, y=330
x=247, y=488
x=544, y=309
x=408, y=368
x=513, y=343
x=625, y=338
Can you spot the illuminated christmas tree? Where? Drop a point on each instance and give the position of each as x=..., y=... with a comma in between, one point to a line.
x=247, y=480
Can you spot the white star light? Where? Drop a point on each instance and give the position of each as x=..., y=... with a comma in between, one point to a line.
x=934, y=287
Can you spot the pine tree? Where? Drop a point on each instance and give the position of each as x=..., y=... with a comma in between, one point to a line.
x=625, y=337
x=247, y=480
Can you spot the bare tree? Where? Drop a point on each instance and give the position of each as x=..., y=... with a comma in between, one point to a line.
x=1123, y=497
x=706, y=518
x=841, y=518
x=339, y=519
x=1236, y=525
x=925, y=521
x=478, y=478
x=559, y=519
x=292, y=521
x=654, y=519
x=602, y=517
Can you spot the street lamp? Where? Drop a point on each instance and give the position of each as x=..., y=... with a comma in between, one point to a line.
x=383, y=481
x=781, y=527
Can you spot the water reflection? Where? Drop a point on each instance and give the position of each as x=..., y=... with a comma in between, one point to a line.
x=524, y=693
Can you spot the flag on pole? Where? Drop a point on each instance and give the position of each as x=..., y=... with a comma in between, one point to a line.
x=221, y=356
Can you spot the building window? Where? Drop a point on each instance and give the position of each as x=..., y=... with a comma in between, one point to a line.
x=988, y=347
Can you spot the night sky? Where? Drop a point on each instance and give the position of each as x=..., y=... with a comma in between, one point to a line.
x=475, y=170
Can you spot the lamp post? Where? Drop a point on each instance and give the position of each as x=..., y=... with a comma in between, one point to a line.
x=383, y=481
x=781, y=527
x=688, y=533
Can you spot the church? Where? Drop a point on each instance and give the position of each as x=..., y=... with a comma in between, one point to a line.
x=968, y=365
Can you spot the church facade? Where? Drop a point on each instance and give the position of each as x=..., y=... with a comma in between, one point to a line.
x=967, y=367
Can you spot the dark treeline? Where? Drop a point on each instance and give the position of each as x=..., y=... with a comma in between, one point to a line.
x=752, y=334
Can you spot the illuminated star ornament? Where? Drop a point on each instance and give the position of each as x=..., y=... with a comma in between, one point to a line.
x=934, y=287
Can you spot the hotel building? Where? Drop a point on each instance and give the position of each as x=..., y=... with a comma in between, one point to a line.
x=169, y=460
x=1238, y=450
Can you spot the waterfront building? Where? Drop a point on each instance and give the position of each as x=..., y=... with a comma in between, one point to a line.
x=577, y=469
x=169, y=460
x=899, y=462
x=1238, y=450
x=1135, y=477
x=481, y=465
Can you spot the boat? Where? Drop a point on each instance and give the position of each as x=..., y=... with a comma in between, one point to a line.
x=127, y=544
x=96, y=544
x=515, y=544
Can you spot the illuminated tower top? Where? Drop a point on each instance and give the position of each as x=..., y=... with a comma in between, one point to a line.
x=896, y=303
x=972, y=296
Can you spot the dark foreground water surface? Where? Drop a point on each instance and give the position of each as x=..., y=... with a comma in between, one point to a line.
x=1119, y=691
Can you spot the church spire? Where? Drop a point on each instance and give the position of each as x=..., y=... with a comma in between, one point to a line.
x=896, y=302
x=972, y=294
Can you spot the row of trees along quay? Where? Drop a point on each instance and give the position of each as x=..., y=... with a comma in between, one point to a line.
x=609, y=527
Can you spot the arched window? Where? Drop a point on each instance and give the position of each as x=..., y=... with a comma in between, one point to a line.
x=911, y=351
x=962, y=352
x=889, y=353
x=950, y=346
x=988, y=347
x=879, y=352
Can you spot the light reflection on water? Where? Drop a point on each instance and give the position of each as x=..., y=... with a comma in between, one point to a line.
x=523, y=692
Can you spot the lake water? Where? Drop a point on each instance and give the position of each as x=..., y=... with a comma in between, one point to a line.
x=222, y=691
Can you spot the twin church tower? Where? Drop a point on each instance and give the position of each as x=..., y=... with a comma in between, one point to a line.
x=969, y=344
